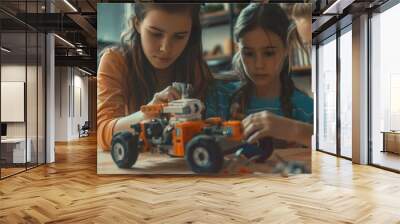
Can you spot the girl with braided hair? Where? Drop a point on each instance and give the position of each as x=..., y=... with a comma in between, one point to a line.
x=266, y=99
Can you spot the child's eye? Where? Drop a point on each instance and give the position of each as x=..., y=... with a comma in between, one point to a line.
x=268, y=53
x=154, y=34
x=180, y=37
x=248, y=54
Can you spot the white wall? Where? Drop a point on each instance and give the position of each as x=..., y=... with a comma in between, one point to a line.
x=82, y=83
x=61, y=103
x=34, y=124
x=12, y=73
x=16, y=73
x=71, y=93
x=80, y=103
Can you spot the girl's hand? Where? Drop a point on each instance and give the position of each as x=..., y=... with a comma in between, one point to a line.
x=165, y=96
x=260, y=125
x=266, y=124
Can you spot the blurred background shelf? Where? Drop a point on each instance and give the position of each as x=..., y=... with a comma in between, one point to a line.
x=211, y=19
x=301, y=70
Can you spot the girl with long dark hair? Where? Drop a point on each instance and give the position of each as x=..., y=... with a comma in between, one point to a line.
x=161, y=46
x=266, y=97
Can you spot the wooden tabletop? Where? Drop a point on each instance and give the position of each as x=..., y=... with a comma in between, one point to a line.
x=155, y=163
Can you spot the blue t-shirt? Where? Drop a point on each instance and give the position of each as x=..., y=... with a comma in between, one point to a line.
x=219, y=98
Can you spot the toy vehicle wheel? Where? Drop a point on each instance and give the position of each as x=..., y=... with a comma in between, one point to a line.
x=264, y=149
x=267, y=146
x=124, y=149
x=203, y=155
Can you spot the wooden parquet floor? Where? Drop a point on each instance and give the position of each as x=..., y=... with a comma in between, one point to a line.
x=70, y=191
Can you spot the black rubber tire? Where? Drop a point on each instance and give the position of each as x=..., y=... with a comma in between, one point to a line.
x=267, y=147
x=124, y=149
x=264, y=149
x=203, y=155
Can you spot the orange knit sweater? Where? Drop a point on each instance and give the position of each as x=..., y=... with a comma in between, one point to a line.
x=112, y=95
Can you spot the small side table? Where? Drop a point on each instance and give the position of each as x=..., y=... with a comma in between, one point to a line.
x=391, y=141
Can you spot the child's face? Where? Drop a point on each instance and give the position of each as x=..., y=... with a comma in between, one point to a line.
x=164, y=36
x=263, y=54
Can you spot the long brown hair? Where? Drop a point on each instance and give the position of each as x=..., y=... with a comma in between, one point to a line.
x=189, y=67
x=269, y=17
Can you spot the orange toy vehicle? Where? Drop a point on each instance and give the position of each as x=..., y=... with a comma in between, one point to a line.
x=178, y=130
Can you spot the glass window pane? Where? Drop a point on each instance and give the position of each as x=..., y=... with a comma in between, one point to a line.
x=327, y=96
x=13, y=86
x=385, y=89
x=22, y=71
x=31, y=96
x=346, y=94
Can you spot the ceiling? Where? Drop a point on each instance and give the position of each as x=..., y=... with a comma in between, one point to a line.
x=76, y=22
x=330, y=15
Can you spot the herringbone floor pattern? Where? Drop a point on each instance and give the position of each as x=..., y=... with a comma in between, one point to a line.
x=70, y=191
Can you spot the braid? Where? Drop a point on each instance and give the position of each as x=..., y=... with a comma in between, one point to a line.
x=287, y=89
x=239, y=101
x=241, y=97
